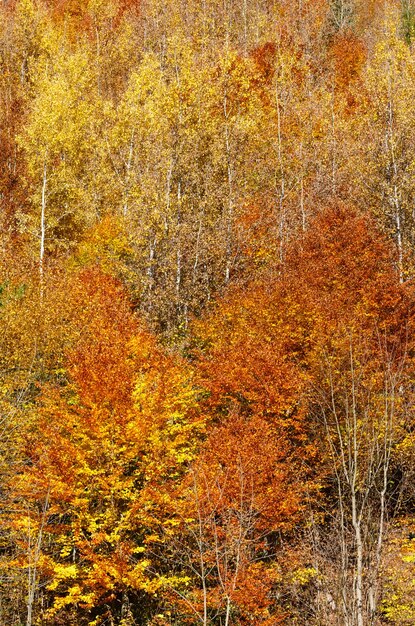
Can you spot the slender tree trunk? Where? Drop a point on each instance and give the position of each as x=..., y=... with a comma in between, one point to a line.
x=334, y=146
x=42, y=229
x=359, y=563
x=395, y=193
x=33, y=563
x=245, y=21
x=200, y=542
x=179, y=251
x=196, y=261
x=230, y=193
x=302, y=207
x=128, y=174
x=280, y=189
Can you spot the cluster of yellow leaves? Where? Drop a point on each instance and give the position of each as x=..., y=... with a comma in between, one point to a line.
x=101, y=452
x=398, y=605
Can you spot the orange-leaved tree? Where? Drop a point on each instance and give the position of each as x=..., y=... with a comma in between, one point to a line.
x=252, y=481
x=99, y=450
x=239, y=496
x=321, y=351
x=358, y=365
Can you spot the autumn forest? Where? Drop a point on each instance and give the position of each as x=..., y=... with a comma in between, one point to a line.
x=207, y=308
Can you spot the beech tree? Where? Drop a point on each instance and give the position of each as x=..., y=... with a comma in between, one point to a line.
x=234, y=506
x=97, y=449
x=335, y=353
x=359, y=365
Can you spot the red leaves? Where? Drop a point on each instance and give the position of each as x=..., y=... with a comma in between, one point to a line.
x=243, y=466
x=342, y=264
x=262, y=342
x=238, y=495
x=278, y=355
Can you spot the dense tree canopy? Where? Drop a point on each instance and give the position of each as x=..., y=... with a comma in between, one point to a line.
x=207, y=309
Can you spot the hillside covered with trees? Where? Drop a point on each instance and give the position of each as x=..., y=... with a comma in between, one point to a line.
x=207, y=308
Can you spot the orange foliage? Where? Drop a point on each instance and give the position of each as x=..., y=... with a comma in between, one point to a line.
x=263, y=362
x=348, y=53
x=239, y=494
x=90, y=445
x=265, y=57
x=83, y=19
x=343, y=268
